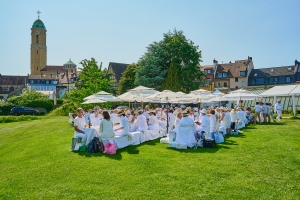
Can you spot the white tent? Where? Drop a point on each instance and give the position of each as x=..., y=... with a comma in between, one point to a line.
x=218, y=93
x=284, y=90
x=279, y=91
x=143, y=90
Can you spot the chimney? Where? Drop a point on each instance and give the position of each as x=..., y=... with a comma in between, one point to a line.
x=229, y=61
x=215, y=61
x=296, y=62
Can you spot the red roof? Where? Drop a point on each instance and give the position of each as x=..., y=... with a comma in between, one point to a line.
x=53, y=68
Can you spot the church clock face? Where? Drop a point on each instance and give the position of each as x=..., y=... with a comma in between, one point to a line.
x=37, y=32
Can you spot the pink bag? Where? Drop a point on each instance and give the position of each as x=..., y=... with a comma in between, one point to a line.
x=110, y=148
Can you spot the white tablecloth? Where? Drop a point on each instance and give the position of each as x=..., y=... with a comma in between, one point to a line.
x=151, y=135
x=90, y=134
x=96, y=129
x=124, y=141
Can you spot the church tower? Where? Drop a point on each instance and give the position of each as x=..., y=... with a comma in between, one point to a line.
x=38, y=49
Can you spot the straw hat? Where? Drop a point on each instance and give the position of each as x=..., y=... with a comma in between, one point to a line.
x=185, y=114
x=152, y=111
x=121, y=112
x=203, y=111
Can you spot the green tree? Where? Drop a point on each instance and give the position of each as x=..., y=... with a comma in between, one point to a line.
x=174, y=47
x=92, y=79
x=32, y=98
x=127, y=79
x=172, y=81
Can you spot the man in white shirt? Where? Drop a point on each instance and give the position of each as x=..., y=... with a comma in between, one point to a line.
x=257, y=109
x=79, y=124
x=172, y=119
x=124, y=125
x=265, y=110
x=205, y=124
x=278, y=109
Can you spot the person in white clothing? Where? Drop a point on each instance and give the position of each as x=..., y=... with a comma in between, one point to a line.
x=171, y=119
x=271, y=113
x=185, y=131
x=178, y=118
x=153, y=121
x=79, y=125
x=205, y=123
x=141, y=122
x=124, y=125
x=213, y=120
x=265, y=111
x=233, y=119
x=278, y=109
x=228, y=118
x=257, y=110
x=96, y=117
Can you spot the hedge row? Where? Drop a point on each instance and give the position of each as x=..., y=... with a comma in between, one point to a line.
x=17, y=119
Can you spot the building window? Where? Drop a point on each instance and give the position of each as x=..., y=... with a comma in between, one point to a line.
x=243, y=83
x=220, y=75
x=225, y=84
x=37, y=39
x=243, y=73
x=47, y=82
x=38, y=81
x=236, y=87
x=219, y=84
x=253, y=81
x=37, y=51
x=236, y=79
x=288, y=79
x=224, y=74
x=31, y=81
x=37, y=68
x=275, y=80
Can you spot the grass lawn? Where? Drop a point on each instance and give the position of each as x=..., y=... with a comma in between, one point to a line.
x=261, y=163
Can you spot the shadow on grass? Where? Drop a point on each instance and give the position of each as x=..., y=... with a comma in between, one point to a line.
x=117, y=156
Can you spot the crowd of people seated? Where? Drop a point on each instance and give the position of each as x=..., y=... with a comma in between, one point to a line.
x=186, y=122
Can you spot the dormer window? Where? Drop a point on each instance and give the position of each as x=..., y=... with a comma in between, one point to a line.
x=224, y=74
x=220, y=75
x=255, y=74
x=242, y=73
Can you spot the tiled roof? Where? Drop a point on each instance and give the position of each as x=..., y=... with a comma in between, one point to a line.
x=208, y=67
x=53, y=68
x=118, y=69
x=7, y=80
x=64, y=78
x=273, y=71
x=232, y=69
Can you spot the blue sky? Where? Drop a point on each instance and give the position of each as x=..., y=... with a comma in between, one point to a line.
x=120, y=30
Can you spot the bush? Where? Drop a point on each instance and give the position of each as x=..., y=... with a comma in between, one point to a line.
x=64, y=110
x=5, y=109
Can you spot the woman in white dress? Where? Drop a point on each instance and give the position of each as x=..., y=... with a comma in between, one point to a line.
x=217, y=114
x=153, y=121
x=96, y=118
x=178, y=118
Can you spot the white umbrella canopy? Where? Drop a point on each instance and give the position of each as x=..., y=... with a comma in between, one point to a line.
x=93, y=100
x=218, y=99
x=199, y=96
x=131, y=97
x=103, y=96
x=141, y=88
x=201, y=91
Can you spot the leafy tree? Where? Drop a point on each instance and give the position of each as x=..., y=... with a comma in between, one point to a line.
x=174, y=47
x=127, y=79
x=92, y=79
x=32, y=98
x=172, y=80
x=150, y=71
